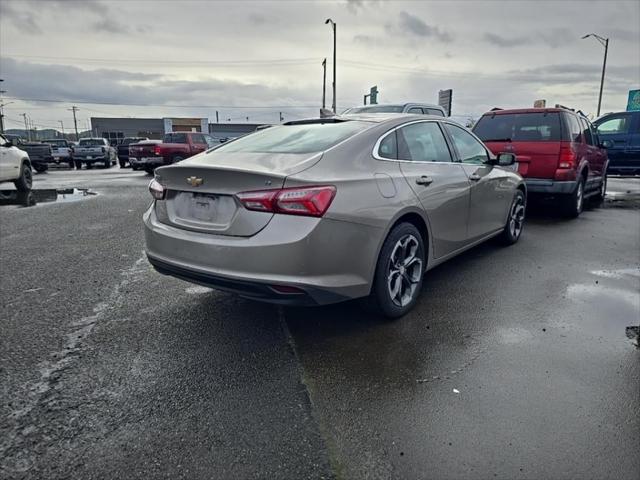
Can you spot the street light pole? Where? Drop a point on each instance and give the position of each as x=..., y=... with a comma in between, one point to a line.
x=605, y=43
x=333, y=25
x=324, y=83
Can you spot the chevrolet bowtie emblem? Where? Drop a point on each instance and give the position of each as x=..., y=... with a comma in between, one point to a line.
x=194, y=181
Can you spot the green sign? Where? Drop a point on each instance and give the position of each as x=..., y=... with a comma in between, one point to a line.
x=633, y=104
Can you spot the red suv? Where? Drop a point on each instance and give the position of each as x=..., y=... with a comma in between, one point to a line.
x=557, y=150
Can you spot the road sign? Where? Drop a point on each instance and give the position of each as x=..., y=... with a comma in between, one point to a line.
x=445, y=97
x=633, y=104
x=539, y=104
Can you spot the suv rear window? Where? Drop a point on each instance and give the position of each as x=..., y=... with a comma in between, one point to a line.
x=519, y=127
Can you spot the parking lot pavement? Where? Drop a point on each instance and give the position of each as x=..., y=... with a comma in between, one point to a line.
x=515, y=363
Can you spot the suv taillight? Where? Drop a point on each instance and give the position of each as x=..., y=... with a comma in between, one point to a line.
x=308, y=201
x=567, y=157
x=156, y=150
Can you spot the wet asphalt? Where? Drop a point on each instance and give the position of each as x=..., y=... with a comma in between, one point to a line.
x=514, y=364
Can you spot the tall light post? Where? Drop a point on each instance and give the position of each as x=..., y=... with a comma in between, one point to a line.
x=605, y=43
x=333, y=25
x=324, y=83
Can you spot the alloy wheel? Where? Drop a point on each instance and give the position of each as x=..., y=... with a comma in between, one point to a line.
x=404, y=270
x=28, y=178
x=579, y=197
x=516, y=217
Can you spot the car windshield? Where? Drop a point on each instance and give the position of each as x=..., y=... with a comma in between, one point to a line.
x=519, y=127
x=297, y=138
x=377, y=109
x=92, y=142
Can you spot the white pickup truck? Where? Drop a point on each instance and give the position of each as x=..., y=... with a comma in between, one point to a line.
x=61, y=150
x=15, y=165
x=94, y=150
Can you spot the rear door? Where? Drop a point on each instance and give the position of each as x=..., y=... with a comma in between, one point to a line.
x=440, y=184
x=491, y=186
x=619, y=130
x=534, y=137
x=593, y=153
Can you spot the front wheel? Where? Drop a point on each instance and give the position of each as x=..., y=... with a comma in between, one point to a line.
x=399, y=271
x=25, y=182
x=515, y=220
x=123, y=164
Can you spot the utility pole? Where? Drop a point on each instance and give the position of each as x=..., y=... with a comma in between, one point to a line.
x=2, y=92
x=62, y=127
x=605, y=43
x=26, y=126
x=324, y=83
x=74, y=109
x=217, y=119
x=281, y=117
x=333, y=25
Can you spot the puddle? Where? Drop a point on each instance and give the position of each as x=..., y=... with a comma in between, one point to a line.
x=45, y=195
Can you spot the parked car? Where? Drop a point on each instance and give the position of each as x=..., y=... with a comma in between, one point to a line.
x=557, y=150
x=94, y=150
x=142, y=152
x=15, y=165
x=175, y=147
x=40, y=154
x=416, y=108
x=123, y=149
x=622, y=131
x=325, y=210
x=62, y=150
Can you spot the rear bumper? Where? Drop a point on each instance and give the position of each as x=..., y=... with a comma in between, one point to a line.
x=147, y=162
x=543, y=185
x=92, y=159
x=328, y=260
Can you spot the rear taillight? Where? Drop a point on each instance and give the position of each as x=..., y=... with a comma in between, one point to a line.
x=307, y=201
x=156, y=150
x=567, y=157
x=156, y=189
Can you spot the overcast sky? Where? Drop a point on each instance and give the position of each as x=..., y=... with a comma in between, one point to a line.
x=181, y=58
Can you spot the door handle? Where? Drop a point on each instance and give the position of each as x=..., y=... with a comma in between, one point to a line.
x=474, y=177
x=424, y=180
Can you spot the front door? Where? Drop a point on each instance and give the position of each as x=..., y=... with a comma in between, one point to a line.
x=440, y=184
x=491, y=186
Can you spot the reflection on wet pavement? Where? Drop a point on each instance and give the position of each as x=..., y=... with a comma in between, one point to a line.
x=47, y=195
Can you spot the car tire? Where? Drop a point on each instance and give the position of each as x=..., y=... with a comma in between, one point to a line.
x=25, y=182
x=149, y=170
x=573, y=204
x=78, y=164
x=71, y=164
x=89, y=166
x=40, y=168
x=515, y=220
x=123, y=163
x=177, y=159
x=399, y=272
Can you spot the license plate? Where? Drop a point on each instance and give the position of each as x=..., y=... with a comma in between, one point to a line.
x=148, y=159
x=196, y=206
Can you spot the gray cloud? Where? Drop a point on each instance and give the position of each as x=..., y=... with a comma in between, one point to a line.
x=411, y=25
x=24, y=21
x=257, y=18
x=109, y=25
x=554, y=38
x=500, y=41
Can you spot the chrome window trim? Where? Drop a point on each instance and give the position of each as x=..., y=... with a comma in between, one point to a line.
x=376, y=147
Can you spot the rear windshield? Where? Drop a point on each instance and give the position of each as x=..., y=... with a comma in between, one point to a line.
x=175, y=138
x=519, y=127
x=62, y=143
x=377, y=109
x=92, y=142
x=305, y=138
x=128, y=140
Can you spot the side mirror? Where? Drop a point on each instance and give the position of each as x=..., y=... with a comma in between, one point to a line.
x=606, y=144
x=505, y=159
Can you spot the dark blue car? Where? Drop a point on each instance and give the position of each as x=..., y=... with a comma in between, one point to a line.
x=622, y=130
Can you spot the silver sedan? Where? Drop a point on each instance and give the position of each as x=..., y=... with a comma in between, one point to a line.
x=325, y=210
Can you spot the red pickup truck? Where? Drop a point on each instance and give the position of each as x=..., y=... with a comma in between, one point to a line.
x=175, y=146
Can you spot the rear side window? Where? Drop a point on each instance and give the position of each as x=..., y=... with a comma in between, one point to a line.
x=519, y=127
x=434, y=111
x=296, y=138
x=422, y=142
x=175, y=138
x=469, y=149
x=389, y=147
x=574, y=128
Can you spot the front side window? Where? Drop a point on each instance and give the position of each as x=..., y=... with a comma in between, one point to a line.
x=586, y=131
x=615, y=125
x=389, y=147
x=422, y=142
x=210, y=141
x=469, y=149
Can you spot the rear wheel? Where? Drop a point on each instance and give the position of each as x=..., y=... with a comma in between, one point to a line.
x=41, y=168
x=598, y=199
x=149, y=170
x=574, y=202
x=25, y=182
x=71, y=164
x=399, y=271
x=177, y=159
x=89, y=166
x=122, y=163
x=515, y=221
